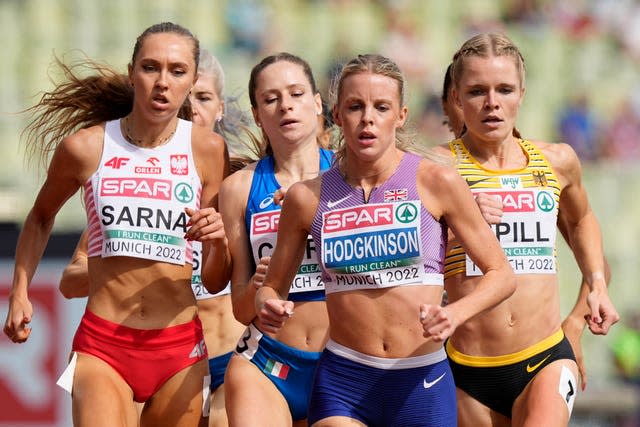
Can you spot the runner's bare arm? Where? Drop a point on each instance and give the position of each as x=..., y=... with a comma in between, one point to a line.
x=297, y=214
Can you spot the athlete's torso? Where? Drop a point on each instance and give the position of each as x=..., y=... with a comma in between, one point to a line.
x=139, y=262
x=261, y=220
x=530, y=196
x=135, y=200
x=381, y=259
x=389, y=240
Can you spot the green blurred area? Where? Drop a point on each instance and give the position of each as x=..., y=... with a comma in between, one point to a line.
x=559, y=65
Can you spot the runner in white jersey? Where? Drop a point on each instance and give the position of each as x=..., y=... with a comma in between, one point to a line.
x=151, y=182
x=221, y=330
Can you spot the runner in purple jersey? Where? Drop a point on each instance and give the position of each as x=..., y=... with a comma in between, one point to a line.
x=379, y=219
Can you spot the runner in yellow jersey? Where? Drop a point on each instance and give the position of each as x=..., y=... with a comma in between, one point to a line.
x=512, y=364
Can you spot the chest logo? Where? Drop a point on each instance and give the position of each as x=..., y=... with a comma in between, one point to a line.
x=332, y=203
x=266, y=201
x=183, y=192
x=396, y=195
x=406, y=213
x=116, y=162
x=540, y=178
x=179, y=164
x=545, y=202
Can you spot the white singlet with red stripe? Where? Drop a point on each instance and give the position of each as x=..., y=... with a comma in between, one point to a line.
x=135, y=201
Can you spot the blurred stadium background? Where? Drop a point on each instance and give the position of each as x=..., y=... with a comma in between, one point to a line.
x=582, y=59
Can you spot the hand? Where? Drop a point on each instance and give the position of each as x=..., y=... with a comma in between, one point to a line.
x=278, y=196
x=18, y=317
x=204, y=225
x=257, y=280
x=273, y=313
x=437, y=322
x=572, y=328
x=603, y=313
x=490, y=207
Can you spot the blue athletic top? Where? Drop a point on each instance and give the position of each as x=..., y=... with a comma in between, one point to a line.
x=261, y=220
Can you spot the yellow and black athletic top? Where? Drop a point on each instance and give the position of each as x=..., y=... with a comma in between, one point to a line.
x=530, y=198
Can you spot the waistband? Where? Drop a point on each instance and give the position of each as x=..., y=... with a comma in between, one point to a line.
x=124, y=336
x=385, y=362
x=272, y=345
x=506, y=359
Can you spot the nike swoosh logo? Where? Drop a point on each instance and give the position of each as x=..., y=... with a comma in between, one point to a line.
x=472, y=182
x=331, y=203
x=537, y=365
x=426, y=384
x=266, y=201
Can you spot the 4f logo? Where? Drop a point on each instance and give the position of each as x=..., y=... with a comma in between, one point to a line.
x=199, y=351
x=116, y=162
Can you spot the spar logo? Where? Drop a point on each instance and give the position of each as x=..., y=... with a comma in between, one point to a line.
x=147, y=188
x=515, y=201
x=265, y=222
x=359, y=217
x=406, y=213
x=183, y=192
x=545, y=201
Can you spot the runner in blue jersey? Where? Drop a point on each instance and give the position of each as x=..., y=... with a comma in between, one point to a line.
x=269, y=378
x=379, y=219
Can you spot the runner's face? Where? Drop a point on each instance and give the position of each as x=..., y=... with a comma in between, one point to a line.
x=163, y=73
x=287, y=109
x=490, y=93
x=206, y=105
x=369, y=114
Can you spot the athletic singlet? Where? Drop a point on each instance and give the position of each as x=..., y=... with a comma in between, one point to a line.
x=199, y=291
x=136, y=198
x=261, y=220
x=530, y=198
x=391, y=240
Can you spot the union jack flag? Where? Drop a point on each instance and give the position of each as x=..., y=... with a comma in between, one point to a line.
x=396, y=195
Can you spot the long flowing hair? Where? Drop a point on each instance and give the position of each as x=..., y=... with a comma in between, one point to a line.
x=91, y=93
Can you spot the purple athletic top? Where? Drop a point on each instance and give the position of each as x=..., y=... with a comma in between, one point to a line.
x=389, y=240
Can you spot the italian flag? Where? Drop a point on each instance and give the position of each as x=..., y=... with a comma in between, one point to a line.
x=276, y=369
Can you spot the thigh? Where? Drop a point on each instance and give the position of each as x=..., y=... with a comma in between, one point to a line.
x=472, y=413
x=251, y=399
x=179, y=400
x=100, y=395
x=218, y=414
x=548, y=398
